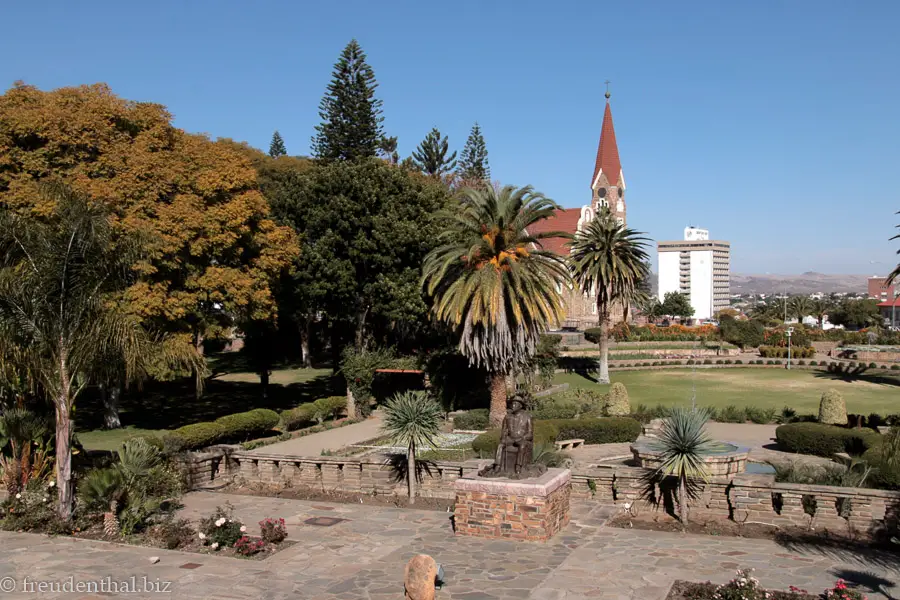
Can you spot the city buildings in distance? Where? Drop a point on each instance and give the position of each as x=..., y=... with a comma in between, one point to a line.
x=698, y=267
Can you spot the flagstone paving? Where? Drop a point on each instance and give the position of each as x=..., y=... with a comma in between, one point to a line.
x=363, y=557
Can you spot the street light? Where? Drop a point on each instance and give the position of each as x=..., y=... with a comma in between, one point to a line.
x=894, y=309
x=789, y=331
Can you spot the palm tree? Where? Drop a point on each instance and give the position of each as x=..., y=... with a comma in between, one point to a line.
x=800, y=306
x=412, y=419
x=493, y=282
x=820, y=308
x=60, y=278
x=611, y=260
x=683, y=444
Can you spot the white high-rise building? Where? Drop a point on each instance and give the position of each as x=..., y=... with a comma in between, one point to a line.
x=697, y=267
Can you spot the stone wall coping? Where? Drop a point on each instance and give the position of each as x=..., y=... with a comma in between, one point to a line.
x=544, y=485
x=330, y=460
x=833, y=490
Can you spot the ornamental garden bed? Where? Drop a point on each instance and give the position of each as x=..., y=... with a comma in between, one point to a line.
x=687, y=590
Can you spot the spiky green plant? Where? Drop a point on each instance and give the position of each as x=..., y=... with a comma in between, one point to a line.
x=610, y=260
x=412, y=419
x=491, y=280
x=683, y=443
x=137, y=457
x=104, y=490
x=23, y=430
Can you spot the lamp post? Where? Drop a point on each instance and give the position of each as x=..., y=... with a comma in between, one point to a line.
x=894, y=309
x=789, y=331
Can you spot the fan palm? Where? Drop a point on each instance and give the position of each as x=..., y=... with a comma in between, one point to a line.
x=610, y=260
x=683, y=444
x=412, y=419
x=493, y=282
x=60, y=277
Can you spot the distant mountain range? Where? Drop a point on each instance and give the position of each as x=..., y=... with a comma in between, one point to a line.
x=806, y=283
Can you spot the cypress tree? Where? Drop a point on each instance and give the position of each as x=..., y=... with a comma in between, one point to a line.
x=351, y=115
x=473, y=162
x=277, y=148
x=431, y=155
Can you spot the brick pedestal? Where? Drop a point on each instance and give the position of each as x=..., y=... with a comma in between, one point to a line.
x=532, y=509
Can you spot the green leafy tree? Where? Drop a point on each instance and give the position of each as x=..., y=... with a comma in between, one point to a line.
x=676, y=304
x=412, y=419
x=474, y=170
x=60, y=279
x=856, y=314
x=820, y=309
x=277, y=148
x=745, y=334
x=431, y=155
x=365, y=228
x=493, y=283
x=610, y=260
x=684, y=443
x=387, y=149
x=351, y=115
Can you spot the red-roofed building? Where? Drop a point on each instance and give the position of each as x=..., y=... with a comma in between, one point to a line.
x=890, y=310
x=607, y=190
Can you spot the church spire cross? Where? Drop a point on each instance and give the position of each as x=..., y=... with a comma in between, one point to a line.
x=607, y=82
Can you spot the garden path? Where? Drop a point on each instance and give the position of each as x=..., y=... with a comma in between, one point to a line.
x=363, y=557
x=331, y=439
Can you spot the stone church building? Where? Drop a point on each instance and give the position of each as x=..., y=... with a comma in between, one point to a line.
x=607, y=190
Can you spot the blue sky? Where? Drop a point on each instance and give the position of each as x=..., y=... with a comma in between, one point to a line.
x=773, y=124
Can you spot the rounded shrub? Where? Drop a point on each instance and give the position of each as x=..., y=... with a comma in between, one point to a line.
x=485, y=445
x=873, y=365
x=618, y=403
x=331, y=407
x=192, y=437
x=605, y=430
x=299, y=417
x=245, y=425
x=895, y=367
x=821, y=439
x=707, y=361
x=738, y=361
x=813, y=363
x=832, y=409
x=476, y=419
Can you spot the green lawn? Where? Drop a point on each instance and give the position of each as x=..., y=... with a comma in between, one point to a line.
x=776, y=388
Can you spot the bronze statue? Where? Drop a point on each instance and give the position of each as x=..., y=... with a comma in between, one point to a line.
x=515, y=453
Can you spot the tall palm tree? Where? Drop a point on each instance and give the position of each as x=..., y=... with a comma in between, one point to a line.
x=820, y=308
x=60, y=276
x=493, y=282
x=800, y=306
x=611, y=260
x=412, y=419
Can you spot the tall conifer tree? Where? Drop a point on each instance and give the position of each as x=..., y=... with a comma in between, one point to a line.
x=431, y=155
x=351, y=115
x=277, y=148
x=473, y=162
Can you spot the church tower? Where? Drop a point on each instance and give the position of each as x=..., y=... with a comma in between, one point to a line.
x=608, y=183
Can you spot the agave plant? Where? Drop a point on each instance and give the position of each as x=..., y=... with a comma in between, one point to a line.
x=684, y=443
x=412, y=419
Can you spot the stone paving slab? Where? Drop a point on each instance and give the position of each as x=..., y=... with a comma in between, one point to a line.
x=363, y=558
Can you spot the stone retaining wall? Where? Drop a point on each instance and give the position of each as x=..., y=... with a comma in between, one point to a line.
x=743, y=497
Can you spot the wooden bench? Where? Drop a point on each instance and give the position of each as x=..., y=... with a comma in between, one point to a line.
x=568, y=444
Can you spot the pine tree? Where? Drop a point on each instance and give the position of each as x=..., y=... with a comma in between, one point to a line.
x=387, y=149
x=431, y=155
x=277, y=148
x=351, y=115
x=473, y=162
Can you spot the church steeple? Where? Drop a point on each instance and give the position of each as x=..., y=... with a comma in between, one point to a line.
x=608, y=183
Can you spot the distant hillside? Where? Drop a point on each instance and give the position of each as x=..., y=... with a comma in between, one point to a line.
x=807, y=283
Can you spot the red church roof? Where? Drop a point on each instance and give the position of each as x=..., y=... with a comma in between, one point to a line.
x=566, y=220
x=887, y=303
x=607, y=151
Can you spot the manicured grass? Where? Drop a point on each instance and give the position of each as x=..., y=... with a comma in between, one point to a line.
x=765, y=388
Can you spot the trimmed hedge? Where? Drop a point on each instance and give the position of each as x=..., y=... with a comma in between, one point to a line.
x=605, y=430
x=299, y=417
x=230, y=428
x=782, y=352
x=476, y=419
x=820, y=439
x=485, y=445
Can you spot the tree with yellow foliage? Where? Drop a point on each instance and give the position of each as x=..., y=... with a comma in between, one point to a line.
x=209, y=250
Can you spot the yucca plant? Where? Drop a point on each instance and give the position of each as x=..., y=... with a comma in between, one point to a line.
x=412, y=419
x=684, y=443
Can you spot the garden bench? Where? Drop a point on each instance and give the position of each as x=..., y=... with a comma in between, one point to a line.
x=568, y=444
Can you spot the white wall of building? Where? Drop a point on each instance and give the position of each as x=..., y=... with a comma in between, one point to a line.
x=701, y=284
x=669, y=273
x=695, y=233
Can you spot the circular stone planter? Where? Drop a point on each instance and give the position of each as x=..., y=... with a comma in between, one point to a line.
x=731, y=459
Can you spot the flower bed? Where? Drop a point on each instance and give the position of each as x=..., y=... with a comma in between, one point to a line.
x=745, y=586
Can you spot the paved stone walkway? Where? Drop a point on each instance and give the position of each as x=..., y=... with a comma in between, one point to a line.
x=332, y=439
x=363, y=558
